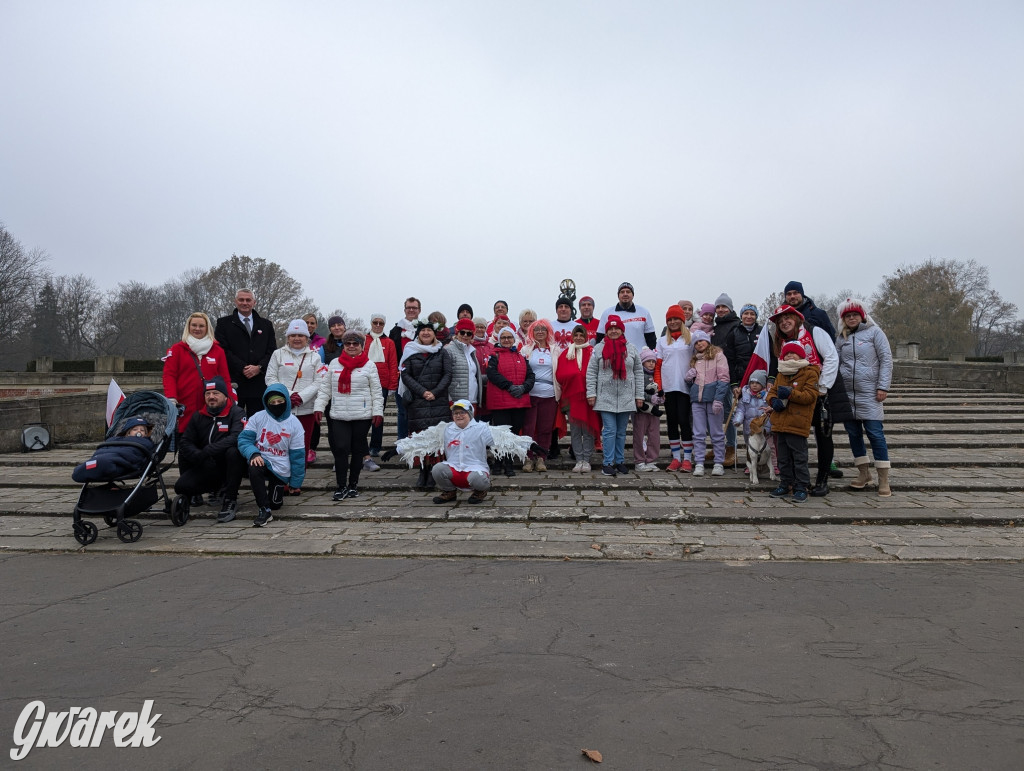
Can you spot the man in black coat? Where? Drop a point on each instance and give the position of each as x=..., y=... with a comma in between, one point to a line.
x=248, y=340
x=726, y=322
x=208, y=455
x=813, y=315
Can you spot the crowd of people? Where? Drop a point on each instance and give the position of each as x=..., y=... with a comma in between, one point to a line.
x=706, y=375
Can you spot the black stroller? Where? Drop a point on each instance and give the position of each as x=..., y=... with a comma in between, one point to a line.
x=128, y=494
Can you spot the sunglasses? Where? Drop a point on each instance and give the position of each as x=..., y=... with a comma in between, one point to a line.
x=352, y=344
x=464, y=333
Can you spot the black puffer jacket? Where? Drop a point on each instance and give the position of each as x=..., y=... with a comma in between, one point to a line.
x=423, y=373
x=739, y=347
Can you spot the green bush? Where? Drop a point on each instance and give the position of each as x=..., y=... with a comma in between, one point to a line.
x=143, y=365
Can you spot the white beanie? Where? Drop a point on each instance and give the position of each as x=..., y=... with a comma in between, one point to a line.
x=298, y=327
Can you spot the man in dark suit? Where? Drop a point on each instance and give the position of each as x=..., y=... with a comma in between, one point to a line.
x=248, y=340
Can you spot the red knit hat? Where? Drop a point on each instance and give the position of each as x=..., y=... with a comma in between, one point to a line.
x=675, y=312
x=614, y=321
x=792, y=347
x=465, y=325
x=852, y=306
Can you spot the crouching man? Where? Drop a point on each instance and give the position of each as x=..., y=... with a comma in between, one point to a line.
x=273, y=443
x=465, y=447
x=208, y=455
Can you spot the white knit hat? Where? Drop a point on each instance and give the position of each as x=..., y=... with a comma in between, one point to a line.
x=298, y=327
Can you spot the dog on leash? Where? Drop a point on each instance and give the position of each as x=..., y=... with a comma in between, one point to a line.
x=761, y=450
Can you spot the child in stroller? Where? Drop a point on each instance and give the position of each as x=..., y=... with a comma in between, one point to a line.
x=130, y=454
x=124, y=477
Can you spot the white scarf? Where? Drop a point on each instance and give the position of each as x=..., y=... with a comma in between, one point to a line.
x=573, y=349
x=408, y=328
x=792, y=367
x=376, y=350
x=200, y=346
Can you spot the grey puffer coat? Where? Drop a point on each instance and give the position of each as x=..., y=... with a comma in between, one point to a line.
x=459, y=387
x=865, y=363
x=615, y=395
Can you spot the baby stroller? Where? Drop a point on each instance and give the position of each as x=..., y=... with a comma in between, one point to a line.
x=128, y=494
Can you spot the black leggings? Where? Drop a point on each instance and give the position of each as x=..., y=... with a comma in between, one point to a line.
x=678, y=415
x=267, y=488
x=349, y=446
x=514, y=417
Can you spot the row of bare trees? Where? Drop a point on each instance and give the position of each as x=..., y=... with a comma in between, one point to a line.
x=71, y=317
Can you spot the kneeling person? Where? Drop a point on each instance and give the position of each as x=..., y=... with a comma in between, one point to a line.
x=465, y=466
x=274, y=445
x=208, y=455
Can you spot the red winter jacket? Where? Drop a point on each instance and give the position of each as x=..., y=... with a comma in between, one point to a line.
x=387, y=369
x=181, y=376
x=507, y=368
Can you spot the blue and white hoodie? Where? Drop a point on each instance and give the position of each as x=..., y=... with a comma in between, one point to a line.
x=280, y=442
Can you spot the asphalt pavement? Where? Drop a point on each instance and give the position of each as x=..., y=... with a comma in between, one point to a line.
x=287, y=662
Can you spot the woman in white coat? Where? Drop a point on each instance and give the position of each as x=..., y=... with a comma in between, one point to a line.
x=298, y=368
x=352, y=386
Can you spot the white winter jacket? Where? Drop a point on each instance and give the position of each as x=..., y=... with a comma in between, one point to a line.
x=298, y=371
x=364, y=401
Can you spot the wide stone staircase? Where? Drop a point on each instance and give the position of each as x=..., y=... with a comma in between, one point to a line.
x=957, y=458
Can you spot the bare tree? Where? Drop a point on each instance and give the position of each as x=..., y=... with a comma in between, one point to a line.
x=126, y=325
x=79, y=303
x=279, y=297
x=769, y=304
x=22, y=272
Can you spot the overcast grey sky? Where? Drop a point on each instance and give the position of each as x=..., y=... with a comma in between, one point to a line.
x=465, y=151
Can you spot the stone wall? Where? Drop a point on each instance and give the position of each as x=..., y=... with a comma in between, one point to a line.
x=70, y=418
x=1004, y=378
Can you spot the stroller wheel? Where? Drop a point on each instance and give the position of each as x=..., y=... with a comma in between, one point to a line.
x=129, y=531
x=179, y=510
x=85, y=532
x=110, y=519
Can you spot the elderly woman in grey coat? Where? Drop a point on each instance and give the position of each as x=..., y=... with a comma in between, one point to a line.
x=865, y=363
x=467, y=376
x=615, y=389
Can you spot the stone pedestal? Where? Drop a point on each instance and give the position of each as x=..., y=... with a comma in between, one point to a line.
x=110, y=363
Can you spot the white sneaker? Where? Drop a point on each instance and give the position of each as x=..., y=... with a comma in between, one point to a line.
x=578, y=467
x=650, y=467
x=585, y=468
x=698, y=470
x=718, y=470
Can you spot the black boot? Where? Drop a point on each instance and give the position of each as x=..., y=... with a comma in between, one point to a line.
x=507, y=464
x=820, y=489
x=421, y=481
x=431, y=485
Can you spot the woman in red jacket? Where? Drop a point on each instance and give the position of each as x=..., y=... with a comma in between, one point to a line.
x=190, y=363
x=571, y=373
x=381, y=351
x=509, y=380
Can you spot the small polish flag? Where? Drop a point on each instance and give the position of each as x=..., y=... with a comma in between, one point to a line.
x=114, y=397
x=90, y=464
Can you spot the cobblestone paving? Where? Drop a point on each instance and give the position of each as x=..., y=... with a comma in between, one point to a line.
x=553, y=540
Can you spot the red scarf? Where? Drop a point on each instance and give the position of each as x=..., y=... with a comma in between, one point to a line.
x=348, y=365
x=615, y=354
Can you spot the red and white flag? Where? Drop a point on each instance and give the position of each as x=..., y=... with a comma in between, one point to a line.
x=114, y=397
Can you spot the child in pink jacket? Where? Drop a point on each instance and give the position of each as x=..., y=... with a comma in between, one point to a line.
x=708, y=379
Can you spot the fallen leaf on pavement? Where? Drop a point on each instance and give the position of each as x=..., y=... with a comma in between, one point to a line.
x=594, y=755
x=595, y=546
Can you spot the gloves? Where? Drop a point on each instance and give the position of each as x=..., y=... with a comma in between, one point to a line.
x=377, y=421
x=516, y=391
x=716, y=407
x=691, y=374
x=318, y=417
x=778, y=405
x=651, y=388
x=784, y=392
x=296, y=400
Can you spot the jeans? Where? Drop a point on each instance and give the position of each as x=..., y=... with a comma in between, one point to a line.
x=856, y=429
x=613, y=436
